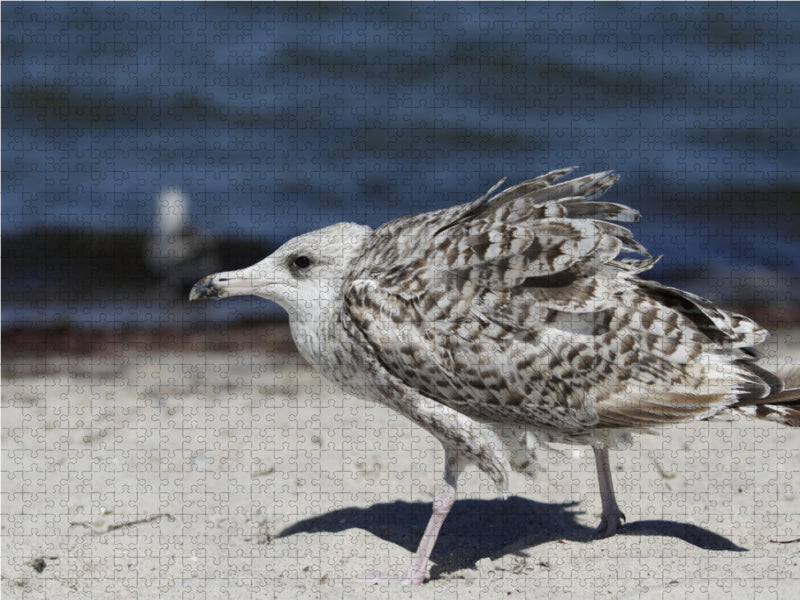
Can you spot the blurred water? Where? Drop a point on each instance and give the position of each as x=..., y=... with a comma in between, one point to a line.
x=279, y=118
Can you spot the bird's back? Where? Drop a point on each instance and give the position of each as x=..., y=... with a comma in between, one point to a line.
x=526, y=308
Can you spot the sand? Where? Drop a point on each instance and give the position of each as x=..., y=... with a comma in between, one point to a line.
x=157, y=470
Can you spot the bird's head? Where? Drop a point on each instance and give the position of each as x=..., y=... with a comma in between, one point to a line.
x=303, y=276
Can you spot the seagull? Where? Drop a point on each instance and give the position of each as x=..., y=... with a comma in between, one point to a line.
x=510, y=321
x=177, y=252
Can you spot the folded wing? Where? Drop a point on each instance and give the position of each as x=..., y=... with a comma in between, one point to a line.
x=524, y=307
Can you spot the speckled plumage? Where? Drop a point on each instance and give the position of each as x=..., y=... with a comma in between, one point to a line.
x=517, y=310
x=514, y=318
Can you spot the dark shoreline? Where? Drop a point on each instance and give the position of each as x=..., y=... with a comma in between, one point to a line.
x=24, y=343
x=21, y=343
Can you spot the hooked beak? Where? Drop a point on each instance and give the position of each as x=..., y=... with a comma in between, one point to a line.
x=223, y=285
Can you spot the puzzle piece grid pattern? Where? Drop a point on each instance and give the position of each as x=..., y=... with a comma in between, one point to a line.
x=144, y=472
x=245, y=475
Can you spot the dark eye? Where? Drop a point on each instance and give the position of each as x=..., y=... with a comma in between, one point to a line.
x=302, y=262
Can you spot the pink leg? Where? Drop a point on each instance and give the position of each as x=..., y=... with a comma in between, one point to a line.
x=442, y=503
x=612, y=516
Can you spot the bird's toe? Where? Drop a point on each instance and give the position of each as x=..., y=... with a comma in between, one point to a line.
x=609, y=524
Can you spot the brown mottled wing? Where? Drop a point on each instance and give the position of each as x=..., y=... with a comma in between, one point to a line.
x=518, y=309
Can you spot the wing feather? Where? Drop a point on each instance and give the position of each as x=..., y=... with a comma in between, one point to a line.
x=517, y=308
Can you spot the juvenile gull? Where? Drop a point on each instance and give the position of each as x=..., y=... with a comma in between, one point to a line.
x=508, y=320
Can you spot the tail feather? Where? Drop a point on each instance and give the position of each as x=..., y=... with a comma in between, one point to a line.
x=781, y=406
x=778, y=413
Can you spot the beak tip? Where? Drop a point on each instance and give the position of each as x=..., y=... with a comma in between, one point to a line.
x=206, y=289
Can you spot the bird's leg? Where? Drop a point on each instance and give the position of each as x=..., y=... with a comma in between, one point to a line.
x=442, y=503
x=612, y=516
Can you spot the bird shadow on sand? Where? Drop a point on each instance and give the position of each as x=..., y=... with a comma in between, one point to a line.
x=478, y=529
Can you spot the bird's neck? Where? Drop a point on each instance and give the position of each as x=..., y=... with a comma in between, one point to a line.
x=310, y=325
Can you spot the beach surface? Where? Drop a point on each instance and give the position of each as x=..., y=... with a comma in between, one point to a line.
x=217, y=464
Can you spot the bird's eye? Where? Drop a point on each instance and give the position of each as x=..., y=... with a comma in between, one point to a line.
x=302, y=262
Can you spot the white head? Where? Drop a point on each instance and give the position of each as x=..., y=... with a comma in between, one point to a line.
x=304, y=275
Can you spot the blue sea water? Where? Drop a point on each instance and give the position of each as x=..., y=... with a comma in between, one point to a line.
x=277, y=118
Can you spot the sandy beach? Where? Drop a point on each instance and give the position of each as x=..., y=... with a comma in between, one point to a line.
x=218, y=465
